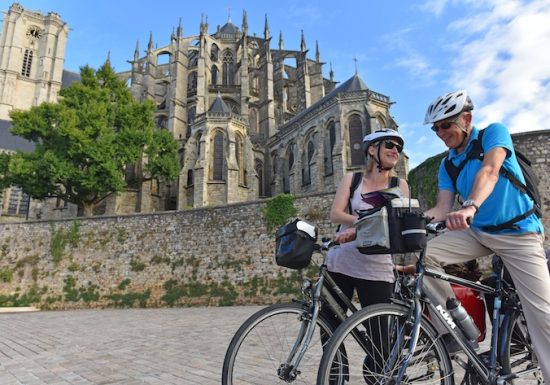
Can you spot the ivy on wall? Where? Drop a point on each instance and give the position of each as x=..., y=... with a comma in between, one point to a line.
x=278, y=210
x=423, y=180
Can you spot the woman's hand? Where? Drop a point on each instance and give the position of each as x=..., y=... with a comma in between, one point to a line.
x=347, y=235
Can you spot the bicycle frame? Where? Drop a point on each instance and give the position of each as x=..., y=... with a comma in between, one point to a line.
x=316, y=293
x=487, y=373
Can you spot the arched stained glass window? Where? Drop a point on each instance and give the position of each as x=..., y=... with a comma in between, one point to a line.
x=355, y=129
x=228, y=68
x=218, y=161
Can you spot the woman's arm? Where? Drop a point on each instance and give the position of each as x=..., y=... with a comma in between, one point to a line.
x=339, y=211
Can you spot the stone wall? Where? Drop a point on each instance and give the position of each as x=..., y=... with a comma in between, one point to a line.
x=210, y=256
x=536, y=145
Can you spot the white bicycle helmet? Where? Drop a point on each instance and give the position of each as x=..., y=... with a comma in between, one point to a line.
x=381, y=134
x=448, y=105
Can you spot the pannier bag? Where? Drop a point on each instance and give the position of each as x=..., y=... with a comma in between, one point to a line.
x=397, y=227
x=294, y=244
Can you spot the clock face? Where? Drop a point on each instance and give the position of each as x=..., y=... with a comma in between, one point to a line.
x=34, y=32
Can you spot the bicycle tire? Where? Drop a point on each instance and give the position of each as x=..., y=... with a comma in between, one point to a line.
x=382, y=325
x=516, y=352
x=264, y=341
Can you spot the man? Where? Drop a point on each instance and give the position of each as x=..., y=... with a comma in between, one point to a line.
x=482, y=225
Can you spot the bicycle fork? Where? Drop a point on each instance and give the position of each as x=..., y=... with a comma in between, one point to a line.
x=415, y=318
x=288, y=370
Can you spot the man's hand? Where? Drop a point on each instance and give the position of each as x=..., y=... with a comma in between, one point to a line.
x=347, y=235
x=459, y=220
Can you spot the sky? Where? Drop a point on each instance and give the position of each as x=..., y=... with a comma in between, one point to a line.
x=409, y=50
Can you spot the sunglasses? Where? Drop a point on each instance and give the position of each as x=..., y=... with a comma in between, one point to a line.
x=390, y=145
x=445, y=125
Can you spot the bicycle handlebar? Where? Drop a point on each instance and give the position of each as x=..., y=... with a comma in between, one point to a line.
x=435, y=227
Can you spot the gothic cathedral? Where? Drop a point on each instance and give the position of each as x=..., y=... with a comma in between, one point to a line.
x=251, y=121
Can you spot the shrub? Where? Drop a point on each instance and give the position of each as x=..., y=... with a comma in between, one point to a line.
x=278, y=210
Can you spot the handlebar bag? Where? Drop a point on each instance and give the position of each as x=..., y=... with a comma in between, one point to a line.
x=397, y=227
x=294, y=243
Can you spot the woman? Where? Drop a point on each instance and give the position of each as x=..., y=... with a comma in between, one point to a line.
x=370, y=275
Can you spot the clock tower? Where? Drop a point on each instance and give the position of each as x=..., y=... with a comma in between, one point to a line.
x=32, y=54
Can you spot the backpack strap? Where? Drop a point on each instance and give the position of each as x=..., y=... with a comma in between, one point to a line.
x=509, y=224
x=394, y=181
x=355, y=181
x=476, y=152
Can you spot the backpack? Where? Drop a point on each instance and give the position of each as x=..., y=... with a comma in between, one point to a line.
x=530, y=187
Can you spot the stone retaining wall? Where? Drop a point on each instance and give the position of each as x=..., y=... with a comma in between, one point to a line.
x=211, y=256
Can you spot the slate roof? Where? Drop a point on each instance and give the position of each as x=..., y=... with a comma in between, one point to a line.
x=229, y=27
x=8, y=141
x=219, y=105
x=68, y=78
x=355, y=83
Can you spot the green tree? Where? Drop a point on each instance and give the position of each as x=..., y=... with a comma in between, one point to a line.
x=86, y=143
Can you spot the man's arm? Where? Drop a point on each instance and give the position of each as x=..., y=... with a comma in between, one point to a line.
x=484, y=184
x=442, y=207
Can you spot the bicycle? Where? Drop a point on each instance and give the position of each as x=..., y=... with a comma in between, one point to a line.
x=397, y=343
x=277, y=344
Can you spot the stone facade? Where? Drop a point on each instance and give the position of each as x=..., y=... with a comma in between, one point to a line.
x=32, y=53
x=253, y=121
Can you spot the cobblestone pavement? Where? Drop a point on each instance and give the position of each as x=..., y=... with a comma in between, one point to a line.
x=123, y=347
x=183, y=346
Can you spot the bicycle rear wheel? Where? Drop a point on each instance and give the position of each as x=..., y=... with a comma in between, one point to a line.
x=262, y=344
x=516, y=355
x=374, y=342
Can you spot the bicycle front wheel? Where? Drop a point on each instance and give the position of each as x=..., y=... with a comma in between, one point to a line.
x=516, y=354
x=260, y=348
x=372, y=345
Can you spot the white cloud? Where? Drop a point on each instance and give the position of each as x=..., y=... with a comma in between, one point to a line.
x=434, y=6
x=407, y=57
x=504, y=62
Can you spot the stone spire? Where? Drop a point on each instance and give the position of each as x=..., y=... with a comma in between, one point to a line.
x=267, y=34
x=317, y=54
x=136, y=52
x=281, y=45
x=150, y=45
x=204, y=25
x=245, y=23
x=179, y=32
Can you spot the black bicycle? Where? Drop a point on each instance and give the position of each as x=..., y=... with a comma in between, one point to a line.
x=397, y=343
x=283, y=343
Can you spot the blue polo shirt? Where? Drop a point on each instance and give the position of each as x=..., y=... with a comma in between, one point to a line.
x=506, y=201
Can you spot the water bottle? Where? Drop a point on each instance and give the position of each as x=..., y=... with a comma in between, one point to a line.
x=463, y=319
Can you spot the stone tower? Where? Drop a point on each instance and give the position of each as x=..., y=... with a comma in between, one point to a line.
x=32, y=51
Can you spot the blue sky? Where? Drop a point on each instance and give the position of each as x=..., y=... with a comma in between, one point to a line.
x=411, y=51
